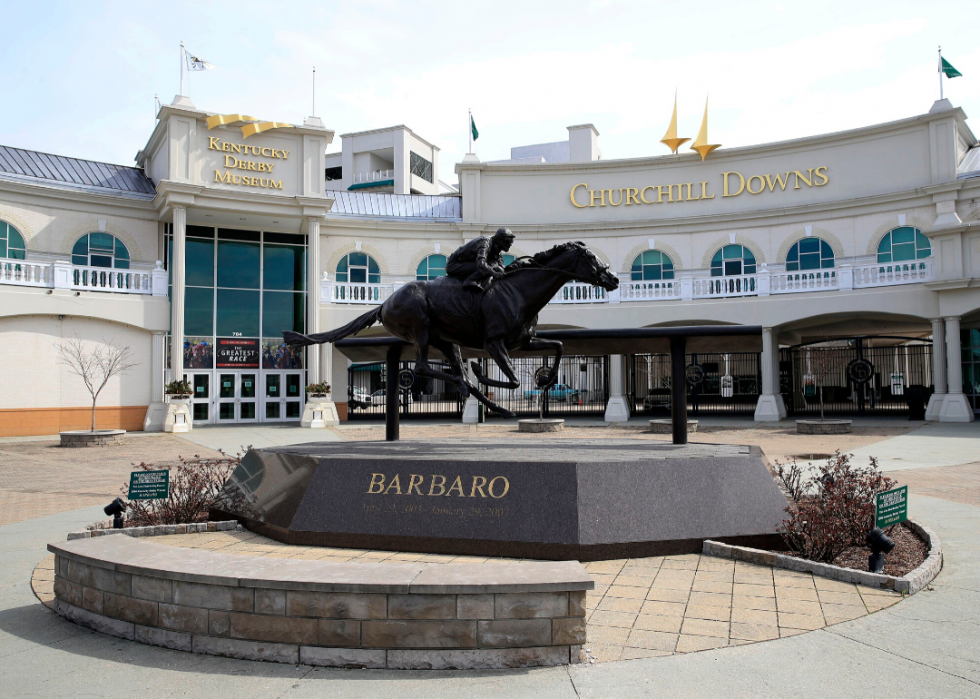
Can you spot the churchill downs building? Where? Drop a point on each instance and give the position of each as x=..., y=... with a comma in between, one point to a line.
x=859, y=245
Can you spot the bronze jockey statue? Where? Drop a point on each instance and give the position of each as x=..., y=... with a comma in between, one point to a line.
x=479, y=261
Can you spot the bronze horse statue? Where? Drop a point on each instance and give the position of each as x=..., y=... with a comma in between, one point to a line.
x=442, y=314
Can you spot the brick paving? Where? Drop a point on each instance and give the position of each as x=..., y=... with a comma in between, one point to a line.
x=954, y=483
x=641, y=607
x=40, y=478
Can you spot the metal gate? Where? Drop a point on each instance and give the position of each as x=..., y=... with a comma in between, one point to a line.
x=722, y=384
x=366, y=384
x=897, y=370
x=581, y=389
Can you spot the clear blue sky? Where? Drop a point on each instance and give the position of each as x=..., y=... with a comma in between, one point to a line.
x=79, y=78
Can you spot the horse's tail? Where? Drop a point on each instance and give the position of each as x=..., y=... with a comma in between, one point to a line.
x=359, y=323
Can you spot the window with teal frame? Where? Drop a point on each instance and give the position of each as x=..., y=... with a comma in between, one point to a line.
x=100, y=250
x=904, y=245
x=808, y=254
x=432, y=267
x=652, y=265
x=11, y=242
x=732, y=261
x=507, y=259
x=358, y=268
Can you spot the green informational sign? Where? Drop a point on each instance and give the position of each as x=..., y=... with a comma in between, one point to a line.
x=892, y=507
x=149, y=485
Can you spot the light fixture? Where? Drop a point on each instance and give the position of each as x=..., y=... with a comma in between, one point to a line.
x=880, y=544
x=115, y=510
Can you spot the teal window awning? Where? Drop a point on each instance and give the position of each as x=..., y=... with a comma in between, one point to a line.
x=368, y=185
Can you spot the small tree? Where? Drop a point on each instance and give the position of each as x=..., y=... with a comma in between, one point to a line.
x=95, y=366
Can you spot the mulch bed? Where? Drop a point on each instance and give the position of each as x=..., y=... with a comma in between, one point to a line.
x=909, y=553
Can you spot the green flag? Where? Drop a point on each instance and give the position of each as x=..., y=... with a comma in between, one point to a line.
x=948, y=70
x=476, y=134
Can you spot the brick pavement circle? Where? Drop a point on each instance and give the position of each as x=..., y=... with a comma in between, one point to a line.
x=641, y=607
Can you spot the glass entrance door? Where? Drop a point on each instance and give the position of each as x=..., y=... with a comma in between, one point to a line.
x=236, y=401
x=282, y=396
x=201, y=401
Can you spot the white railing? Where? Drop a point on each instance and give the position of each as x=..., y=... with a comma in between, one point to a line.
x=24, y=273
x=373, y=176
x=649, y=290
x=126, y=281
x=723, y=287
x=893, y=273
x=577, y=292
x=797, y=282
x=340, y=292
x=63, y=275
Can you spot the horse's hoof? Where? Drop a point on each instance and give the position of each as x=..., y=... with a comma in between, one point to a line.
x=503, y=412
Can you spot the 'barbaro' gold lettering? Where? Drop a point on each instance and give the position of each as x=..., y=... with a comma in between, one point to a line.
x=496, y=487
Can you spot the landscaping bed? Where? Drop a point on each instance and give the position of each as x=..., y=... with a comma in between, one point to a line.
x=909, y=553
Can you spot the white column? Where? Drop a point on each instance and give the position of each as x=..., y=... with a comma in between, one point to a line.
x=617, y=410
x=313, y=296
x=156, y=413
x=935, y=406
x=767, y=409
x=776, y=387
x=177, y=265
x=956, y=407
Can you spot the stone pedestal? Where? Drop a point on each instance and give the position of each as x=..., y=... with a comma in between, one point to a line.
x=823, y=427
x=319, y=412
x=540, y=425
x=178, y=416
x=956, y=408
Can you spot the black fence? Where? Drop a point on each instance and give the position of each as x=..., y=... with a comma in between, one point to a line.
x=898, y=373
x=581, y=389
x=721, y=384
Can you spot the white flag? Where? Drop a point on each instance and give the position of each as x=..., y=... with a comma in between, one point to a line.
x=195, y=63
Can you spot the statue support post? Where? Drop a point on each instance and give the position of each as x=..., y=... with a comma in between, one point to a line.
x=678, y=389
x=392, y=392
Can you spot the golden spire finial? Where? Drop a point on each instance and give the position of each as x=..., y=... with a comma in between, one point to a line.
x=701, y=144
x=670, y=138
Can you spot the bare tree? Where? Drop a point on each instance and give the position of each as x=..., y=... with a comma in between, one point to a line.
x=95, y=366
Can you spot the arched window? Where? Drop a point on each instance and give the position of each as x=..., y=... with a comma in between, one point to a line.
x=652, y=265
x=809, y=253
x=358, y=268
x=732, y=261
x=432, y=267
x=11, y=242
x=904, y=244
x=100, y=250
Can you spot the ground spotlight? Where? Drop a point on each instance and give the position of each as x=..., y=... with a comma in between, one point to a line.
x=116, y=509
x=880, y=544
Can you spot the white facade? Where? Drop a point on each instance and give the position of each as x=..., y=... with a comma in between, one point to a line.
x=849, y=190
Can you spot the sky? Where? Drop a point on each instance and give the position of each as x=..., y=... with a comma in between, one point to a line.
x=80, y=78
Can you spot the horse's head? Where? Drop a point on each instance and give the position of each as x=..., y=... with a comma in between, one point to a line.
x=581, y=263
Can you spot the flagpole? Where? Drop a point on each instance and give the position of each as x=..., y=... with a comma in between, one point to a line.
x=181, y=67
x=940, y=72
x=469, y=129
x=314, y=91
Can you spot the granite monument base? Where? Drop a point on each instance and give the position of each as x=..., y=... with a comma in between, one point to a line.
x=560, y=500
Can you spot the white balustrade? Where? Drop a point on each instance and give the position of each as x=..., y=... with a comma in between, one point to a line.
x=798, y=282
x=126, y=281
x=24, y=273
x=893, y=273
x=649, y=290
x=577, y=292
x=722, y=287
x=341, y=292
x=374, y=176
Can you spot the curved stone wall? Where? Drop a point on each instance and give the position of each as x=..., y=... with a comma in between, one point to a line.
x=380, y=615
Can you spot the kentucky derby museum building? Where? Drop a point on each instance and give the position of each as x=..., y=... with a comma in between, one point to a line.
x=854, y=247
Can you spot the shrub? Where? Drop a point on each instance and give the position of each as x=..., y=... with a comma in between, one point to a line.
x=178, y=388
x=194, y=486
x=322, y=387
x=833, y=505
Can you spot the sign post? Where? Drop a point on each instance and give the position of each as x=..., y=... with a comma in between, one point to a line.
x=891, y=507
x=149, y=485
